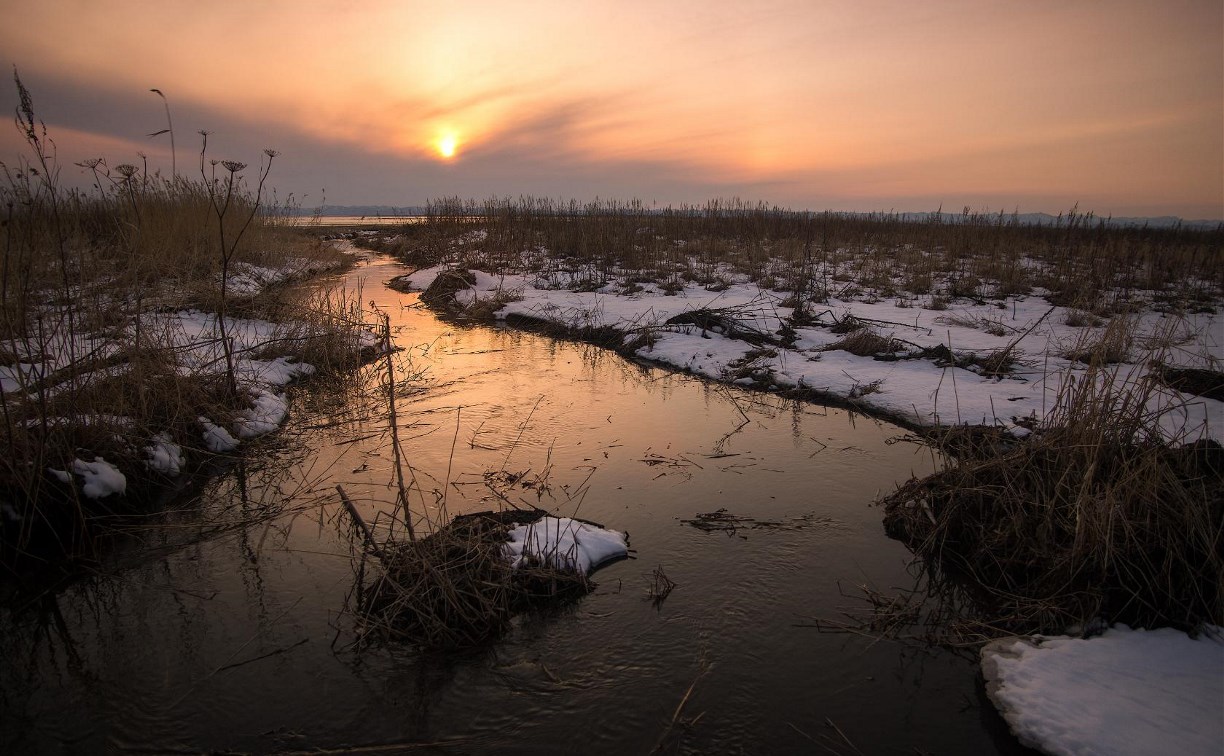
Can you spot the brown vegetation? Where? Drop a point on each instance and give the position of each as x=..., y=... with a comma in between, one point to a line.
x=454, y=587
x=1084, y=261
x=1095, y=515
x=85, y=275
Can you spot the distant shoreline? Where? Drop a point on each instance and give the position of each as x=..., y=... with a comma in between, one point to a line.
x=333, y=215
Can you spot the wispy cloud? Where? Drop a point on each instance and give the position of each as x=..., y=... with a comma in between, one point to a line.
x=805, y=102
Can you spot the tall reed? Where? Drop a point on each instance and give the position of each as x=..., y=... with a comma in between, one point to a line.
x=1083, y=261
x=89, y=366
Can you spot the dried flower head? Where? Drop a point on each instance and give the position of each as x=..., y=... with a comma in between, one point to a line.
x=233, y=166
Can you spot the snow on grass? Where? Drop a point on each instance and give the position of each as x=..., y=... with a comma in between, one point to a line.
x=247, y=280
x=99, y=478
x=566, y=544
x=915, y=389
x=277, y=372
x=217, y=439
x=267, y=412
x=13, y=377
x=164, y=456
x=1122, y=692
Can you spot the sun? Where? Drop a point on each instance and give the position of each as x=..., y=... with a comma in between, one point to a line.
x=447, y=145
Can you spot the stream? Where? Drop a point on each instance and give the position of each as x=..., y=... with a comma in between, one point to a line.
x=240, y=641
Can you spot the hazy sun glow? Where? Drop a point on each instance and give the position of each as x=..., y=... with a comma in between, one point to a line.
x=447, y=145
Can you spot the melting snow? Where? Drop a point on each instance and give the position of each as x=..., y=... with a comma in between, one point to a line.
x=266, y=414
x=101, y=478
x=566, y=543
x=1122, y=692
x=216, y=438
x=164, y=456
x=194, y=337
x=278, y=372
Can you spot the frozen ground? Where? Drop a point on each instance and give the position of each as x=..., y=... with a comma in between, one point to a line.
x=740, y=339
x=1122, y=692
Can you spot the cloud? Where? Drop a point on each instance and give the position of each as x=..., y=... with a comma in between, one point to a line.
x=806, y=103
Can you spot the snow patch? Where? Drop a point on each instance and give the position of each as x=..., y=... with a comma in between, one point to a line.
x=216, y=438
x=1122, y=692
x=278, y=372
x=13, y=377
x=420, y=280
x=247, y=280
x=566, y=543
x=267, y=412
x=164, y=456
x=101, y=478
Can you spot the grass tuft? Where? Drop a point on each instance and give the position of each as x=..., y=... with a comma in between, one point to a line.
x=1094, y=515
x=454, y=588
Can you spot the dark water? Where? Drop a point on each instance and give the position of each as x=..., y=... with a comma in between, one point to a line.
x=239, y=641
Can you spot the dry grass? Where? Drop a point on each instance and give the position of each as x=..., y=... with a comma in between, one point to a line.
x=865, y=342
x=1082, y=260
x=1194, y=381
x=454, y=588
x=84, y=276
x=1114, y=345
x=1093, y=516
x=658, y=587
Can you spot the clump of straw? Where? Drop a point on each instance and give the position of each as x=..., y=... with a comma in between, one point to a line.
x=1095, y=515
x=455, y=587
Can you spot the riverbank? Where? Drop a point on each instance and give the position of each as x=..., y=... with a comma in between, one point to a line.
x=980, y=320
x=145, y=326
x=1000, y=363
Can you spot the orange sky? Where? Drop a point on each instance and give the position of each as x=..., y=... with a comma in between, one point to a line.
x=1117, y=106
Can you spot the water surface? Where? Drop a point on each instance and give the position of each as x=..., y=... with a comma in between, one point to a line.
x=240, y=642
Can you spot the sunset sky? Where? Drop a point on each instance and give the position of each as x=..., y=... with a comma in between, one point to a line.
x=872, y=105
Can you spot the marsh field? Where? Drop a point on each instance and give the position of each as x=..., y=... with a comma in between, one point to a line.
x=245, y=464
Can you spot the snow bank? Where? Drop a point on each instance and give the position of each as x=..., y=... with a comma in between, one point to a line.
x=1122, y=692
x=247, y=280
x=915, y=389
x=101, y=478
x=566, y=543
x=419, y=280
x=278, y=372
x=216, y=438
x=194, y=338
